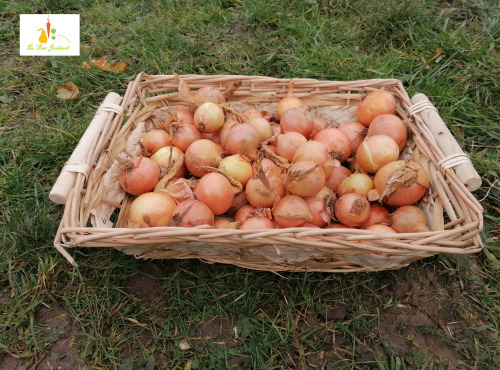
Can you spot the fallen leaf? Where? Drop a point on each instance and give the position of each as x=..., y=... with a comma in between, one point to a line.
x=97, y=63
x=118, y=66
x=68, y=91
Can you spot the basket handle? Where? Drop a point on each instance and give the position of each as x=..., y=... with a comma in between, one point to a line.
x=77, y=161
x=454, y=157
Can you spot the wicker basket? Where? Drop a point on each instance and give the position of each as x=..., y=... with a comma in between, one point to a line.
x=95, y=212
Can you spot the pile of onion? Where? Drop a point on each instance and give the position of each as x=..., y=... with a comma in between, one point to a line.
x=218, y=167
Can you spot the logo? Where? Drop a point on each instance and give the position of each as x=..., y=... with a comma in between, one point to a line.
x=53, y=34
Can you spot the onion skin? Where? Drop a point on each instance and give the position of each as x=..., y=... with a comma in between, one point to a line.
x=288, y=102
x=390, y=125
x=352, y=209
x=291, y=211
x=216, y=192
x=409, y=219
x=138, y=175
x=312, y=150
x=376, y=151
x=152, y=210
x=192, y=213
x=401, y=183
x=374, y=104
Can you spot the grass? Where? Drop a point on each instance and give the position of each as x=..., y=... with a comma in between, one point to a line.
x=125, y=312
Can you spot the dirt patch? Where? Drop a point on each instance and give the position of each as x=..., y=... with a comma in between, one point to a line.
x=419, y=322
x=217, y=331
x=54, y=324
x=61, y=354
x=147, y=285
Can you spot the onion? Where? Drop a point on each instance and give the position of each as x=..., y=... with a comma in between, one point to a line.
x=378, y=215
x=356, y=183
x=287, y=144
x=304, y=178
x=202, y=153
x=374, y=104
x=192, y=213
x=263, y=126
x=352, y=209
x=291, y=211
x=179, y=189
x=264, y=190
x=155, y=139
x=409, y=219
x=184, y=116
x=338, y=143
x=297, y=119
x=288, y=102
x=166, y=157
x=224, y=223
x=250, y=113
x=244, y=212
x=256, y=223
x=216, y=192
x=321, y=206
x=319, y=124
x=208, y=94
x=138, y=175
x=243, y=139
x=265, y=164
x=337, y=175
x=382, y=229
x=209, y=117
x=312, y=150
x=236, y=167
x=390, y=125
x=184, y=135
x=224, y=130
x=356, y=132
x=401, y=183
x=376, y=151
x=212, y=136
x=152, y=210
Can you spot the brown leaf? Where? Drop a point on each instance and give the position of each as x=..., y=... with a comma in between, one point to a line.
x=68, y=91
x=118, y=66
x=105, y=66
x=97, y=63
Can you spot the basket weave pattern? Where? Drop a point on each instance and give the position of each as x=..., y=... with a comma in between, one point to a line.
x=96, y=212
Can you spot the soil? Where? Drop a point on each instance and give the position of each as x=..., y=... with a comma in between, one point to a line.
x=421, y=322
x=61, y=354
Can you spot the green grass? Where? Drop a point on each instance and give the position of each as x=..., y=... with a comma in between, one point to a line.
x=447, y=50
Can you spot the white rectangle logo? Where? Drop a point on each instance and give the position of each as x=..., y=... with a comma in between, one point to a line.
x=49, y=34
